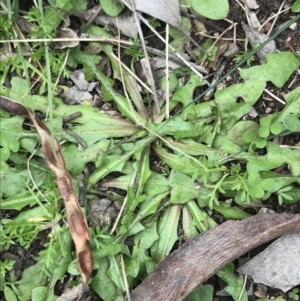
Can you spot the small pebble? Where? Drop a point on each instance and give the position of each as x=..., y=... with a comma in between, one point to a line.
x=106, y=106
x=268, y=110
x=260, y=294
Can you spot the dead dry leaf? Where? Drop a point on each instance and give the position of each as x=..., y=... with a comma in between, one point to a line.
x=256, y=38
x=75, y=95
x=126, y=23
x=252, y=4
x=252, y=18
x=164, y=10
x=278, y=265
x=79, y=92
x=65, y=33
x=78, y=77
x=74, y=293
x=55, y=160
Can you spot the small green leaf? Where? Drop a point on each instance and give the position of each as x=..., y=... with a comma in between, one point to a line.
x=64, y=260
x=36, y=212
x=32, y=277
x=134, y=228
x=10, y=133
x=149, y=206
x=4, y=154
x=19, y=201
x=236, y=134
x=86, y=59
x=296, y=7
x=249, y=137
x=200, y=218
x=265, y=122
x=291, y=122
x=142, y=168
x=111, y=7
x=287, y=188
x=79, y=5
x=52, y=19
x=180, y=162
x=145, y=239
x=65, y=4
x=167, y=232
x=76, y=159
x=73, y=268
x=40, y=293
x=150, y=267
x=103, y=126
x=115, y=272
x=212, y=9
x=287, y=197
x=120, y=100
x=179, y=39
x=258, y=191
x=110, y=164
x=188, y=226
x=264, y=132
x=280, y=199
x=260, y=143
x=202, y=292
x=266, y=72
x=131, y=266
x=275, y=157
x=269, y=185
x=179, y=128
x=185, y=93
x=102, y=284
x=9, y=294
x=156, y=184
x=276, y=128
x=12, y=182
x=190, y=147
x=129, y=81
x=253, y=177
x=234, y=283
x=182, y=188
x=231, y=212
x=111, y=249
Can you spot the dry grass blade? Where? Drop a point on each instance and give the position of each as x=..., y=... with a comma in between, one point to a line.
x=55, y=160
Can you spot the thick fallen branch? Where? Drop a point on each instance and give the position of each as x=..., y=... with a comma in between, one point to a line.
x=199, y=259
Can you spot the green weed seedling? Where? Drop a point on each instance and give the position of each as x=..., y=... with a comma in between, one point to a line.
x=239, y=57
x=294, y=294
x=170, y=175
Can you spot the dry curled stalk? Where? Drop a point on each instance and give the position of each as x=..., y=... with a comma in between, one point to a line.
x=55, y=160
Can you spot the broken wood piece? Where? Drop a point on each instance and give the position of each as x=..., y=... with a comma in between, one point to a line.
x=181, y=272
